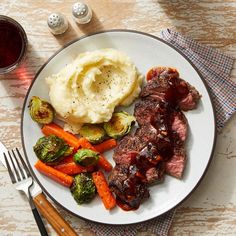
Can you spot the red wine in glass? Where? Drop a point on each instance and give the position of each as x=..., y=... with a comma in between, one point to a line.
x=13, y=44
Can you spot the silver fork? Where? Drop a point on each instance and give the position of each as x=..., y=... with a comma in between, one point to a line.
x=22, y=180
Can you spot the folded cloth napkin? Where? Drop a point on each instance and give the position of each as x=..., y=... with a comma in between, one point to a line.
x=215, y=68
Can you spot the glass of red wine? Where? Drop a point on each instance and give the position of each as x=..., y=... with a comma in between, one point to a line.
x=13, y=44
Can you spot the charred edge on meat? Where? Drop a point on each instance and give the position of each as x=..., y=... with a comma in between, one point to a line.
x=157, y=146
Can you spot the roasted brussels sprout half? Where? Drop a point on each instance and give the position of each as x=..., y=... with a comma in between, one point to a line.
x=119, y=125
x=51, y=149
x=94, y=133
x=41, y=111
x=83, y=189
x=86, y=157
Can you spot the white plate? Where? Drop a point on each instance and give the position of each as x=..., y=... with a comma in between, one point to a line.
x=146, y=51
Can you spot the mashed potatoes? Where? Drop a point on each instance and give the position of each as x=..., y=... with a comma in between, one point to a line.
x=89, y=89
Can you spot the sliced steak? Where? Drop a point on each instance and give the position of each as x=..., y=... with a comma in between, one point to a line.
x=130, y=143
x=144, y=111
x=130, y=191
x=166, y=88
x=148, y=133
x=117, y=176
x=190, y=102
x=155, y=89
x=156, y=174
x=165, y=85
x=173, y=87
x=179, y=124
x=150, y=164
x=175, y=166
x=148, y=110
x=133, y=172
x=125, y=158
x=157, y=146
x=148, y=157
x=152, y=175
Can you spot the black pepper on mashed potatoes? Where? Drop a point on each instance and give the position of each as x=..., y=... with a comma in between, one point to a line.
x=89, y=89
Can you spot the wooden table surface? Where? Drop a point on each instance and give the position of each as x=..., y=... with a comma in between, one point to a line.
x=211, y=210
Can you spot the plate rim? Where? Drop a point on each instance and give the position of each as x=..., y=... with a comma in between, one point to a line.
x=109, y=31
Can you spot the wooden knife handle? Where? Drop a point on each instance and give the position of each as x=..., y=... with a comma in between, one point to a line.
x=53, y=216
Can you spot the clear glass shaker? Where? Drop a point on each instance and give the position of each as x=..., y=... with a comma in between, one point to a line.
x=82, y=13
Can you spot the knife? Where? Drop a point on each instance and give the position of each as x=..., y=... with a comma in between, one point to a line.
x=44, y=206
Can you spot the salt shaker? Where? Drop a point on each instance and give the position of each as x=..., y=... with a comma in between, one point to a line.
x=57, y=23
x=82, y=13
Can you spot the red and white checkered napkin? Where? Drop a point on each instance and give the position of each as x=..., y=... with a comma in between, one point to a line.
x=215, y=68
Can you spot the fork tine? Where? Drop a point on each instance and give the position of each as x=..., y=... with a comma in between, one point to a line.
x=24, y=176
x=12, y=176
x=16, y=171
x=23, y=163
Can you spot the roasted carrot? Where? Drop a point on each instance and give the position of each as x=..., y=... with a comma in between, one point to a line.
x=71, y=168
x=55, y=129
x=102, y=162
x=54, y=174
x=103, y=190
x=106, y=145
x=84, y=143
x=67, y=159
x=75, y=142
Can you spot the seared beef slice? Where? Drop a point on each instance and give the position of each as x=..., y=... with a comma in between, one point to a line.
x=129, y=189
x=166, y=86
x=158, y=145
x=179, y=125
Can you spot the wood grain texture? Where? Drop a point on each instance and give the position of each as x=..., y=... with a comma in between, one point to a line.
x=51, y=215
x=211, y=210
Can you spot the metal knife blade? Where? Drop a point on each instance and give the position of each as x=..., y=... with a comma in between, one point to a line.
x=35, y=189
x=2, y=150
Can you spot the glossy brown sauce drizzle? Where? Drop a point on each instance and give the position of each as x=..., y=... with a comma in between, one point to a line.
x=154, y=154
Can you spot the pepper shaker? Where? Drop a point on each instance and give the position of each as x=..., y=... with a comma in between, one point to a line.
x=57, y=23
x=81, y=12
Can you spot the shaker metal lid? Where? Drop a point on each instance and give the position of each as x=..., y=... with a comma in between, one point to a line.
x=79, y=10
x=57, y=23
x=55, y=20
